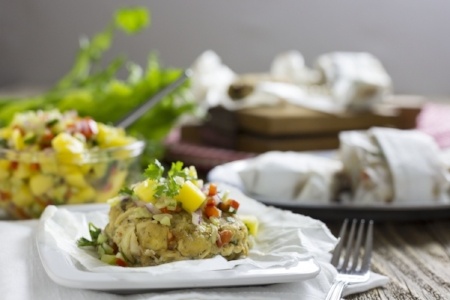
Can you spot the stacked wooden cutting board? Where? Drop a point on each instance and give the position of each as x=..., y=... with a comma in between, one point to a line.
x=288, y=127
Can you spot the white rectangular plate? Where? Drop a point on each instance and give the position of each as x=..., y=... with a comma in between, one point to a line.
x=64, y=270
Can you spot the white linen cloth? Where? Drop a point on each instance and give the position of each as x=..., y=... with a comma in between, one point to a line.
x=338, y=82
x=22, y=275
x=387, y=164
x=283, y=176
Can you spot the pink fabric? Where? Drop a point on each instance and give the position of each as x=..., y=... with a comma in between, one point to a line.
x=434, y=119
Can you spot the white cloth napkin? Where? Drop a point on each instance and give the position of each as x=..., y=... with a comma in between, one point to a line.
x=283, y=176
x=339, y=81
x=406, y=164
x=22, y=275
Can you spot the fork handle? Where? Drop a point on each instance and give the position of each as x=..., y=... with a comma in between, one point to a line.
x=336, y=290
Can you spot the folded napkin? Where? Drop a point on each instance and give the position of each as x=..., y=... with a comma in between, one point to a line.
x=283, y=176
x=393, y=165
x=338, y=82
x=22, y=275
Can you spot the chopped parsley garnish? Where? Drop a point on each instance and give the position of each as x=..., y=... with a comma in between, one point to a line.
x=126, y=191
x=169, y=186
x=51, y=122
x=94, y=232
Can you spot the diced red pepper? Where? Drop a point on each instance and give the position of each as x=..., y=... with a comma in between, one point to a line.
x=233, y=203
x=212, y=191
x=120, y=262
x=210, y=202
x=229, y=205
x=85, y=126
x=14, y=165
x=5, y=195
x=46, y=139
x=224, y=238
x=212, y=211
x=35, y=167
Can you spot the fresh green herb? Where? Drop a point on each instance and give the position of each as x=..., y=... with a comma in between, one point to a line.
x=154, y=170
x=126, y=191
x=169, y=186
x=30, y=138
x=91, y=84
x=3, y=143
x=94, y=232
x=51, y=122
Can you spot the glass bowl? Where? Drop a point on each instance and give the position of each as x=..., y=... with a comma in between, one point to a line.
x=29, y=181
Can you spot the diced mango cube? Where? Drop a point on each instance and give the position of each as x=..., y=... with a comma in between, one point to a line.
x=145, y=190
x=40, y=184
x=22, y=171
x=190, y=196
x=17, y=139
x=69, y=148
x=22, y=197
x=83, y=196
x=76, y=179
x=251, y=222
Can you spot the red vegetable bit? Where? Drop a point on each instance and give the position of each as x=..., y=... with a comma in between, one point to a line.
x=224, y=238
x=14, y=165
x=210, y=202
x=35, y=167
x=229, y=205
x=212, y=191
x=46, y=139
x=212, y=211
x=234, y=204
x=5, y=195
x=224, y=206
x=86, y=126
x=120, y=262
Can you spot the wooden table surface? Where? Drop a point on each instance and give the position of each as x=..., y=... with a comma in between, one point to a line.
x=414, y=255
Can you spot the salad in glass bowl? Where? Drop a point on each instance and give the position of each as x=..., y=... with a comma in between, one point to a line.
x=55, y=158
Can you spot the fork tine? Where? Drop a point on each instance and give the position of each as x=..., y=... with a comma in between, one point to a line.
x=348, y=249
x=357, y=246
x=365, y=265
x=338, y=249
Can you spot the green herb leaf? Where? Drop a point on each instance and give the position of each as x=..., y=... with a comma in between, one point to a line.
x=94, y=232
x=154, y=170
x=132, y=20
x=126, y=191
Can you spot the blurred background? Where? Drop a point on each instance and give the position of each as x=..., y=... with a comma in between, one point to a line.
x=39, y=39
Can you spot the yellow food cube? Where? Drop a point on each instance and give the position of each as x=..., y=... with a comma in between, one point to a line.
x=190, y=196
x=49, y=168
x=58, y=193
x=17, y=139
x=4, y=169
x=76, y=179
x=22, y=197
x=22, y=171
x=64, y=142
x=145, y=190
x=251, y=222
x=69, y=149
x=83, y=196
x=112, y=137
x=69, y=169
x=40, y=184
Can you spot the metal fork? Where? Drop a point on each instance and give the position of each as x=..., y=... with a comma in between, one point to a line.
x=353, y=261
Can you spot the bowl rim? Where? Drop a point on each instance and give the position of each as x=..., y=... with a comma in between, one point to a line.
x=92, y=155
